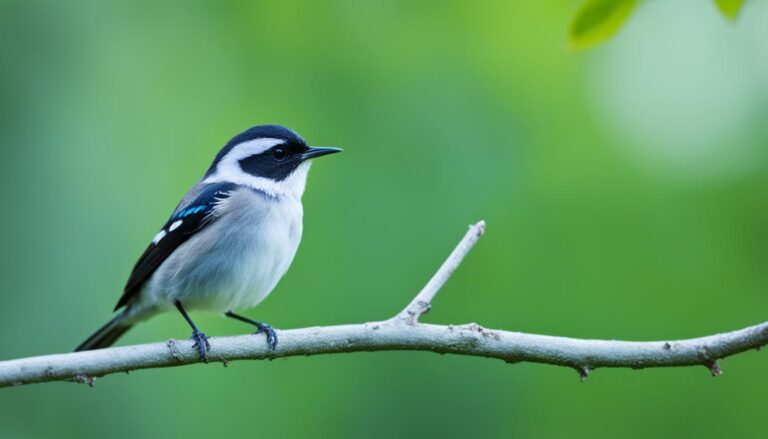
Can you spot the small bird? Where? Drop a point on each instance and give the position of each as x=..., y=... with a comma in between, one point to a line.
x=228, y=242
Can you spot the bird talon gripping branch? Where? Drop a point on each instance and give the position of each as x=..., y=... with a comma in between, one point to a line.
x=270, y=333
x=201, y=344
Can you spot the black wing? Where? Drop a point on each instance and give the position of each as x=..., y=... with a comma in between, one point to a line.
x=184, y=223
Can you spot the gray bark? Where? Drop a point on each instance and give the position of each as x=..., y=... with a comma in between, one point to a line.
x=402, y=332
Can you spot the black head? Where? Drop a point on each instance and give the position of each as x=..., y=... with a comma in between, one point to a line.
x=269, y=151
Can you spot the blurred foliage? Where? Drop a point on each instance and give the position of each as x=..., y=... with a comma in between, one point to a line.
x=598, y=20
x=730, y=8
x=624, y=190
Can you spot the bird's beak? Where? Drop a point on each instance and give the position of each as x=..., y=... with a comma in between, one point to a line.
x=317, y=151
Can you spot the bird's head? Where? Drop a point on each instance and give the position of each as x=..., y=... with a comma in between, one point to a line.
x=269, y=158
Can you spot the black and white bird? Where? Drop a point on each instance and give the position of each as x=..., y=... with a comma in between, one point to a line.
x=228, y=242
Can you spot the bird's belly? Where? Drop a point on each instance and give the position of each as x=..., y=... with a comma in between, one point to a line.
x=235, y=265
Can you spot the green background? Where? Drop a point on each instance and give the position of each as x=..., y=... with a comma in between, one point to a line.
x=624, y=190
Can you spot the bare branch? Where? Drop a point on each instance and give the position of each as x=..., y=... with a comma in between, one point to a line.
x=399, y=333
x=472, y=339
x=423, y=301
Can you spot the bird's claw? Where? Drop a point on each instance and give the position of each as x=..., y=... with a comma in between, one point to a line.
x=201, y=344
x=271, y=334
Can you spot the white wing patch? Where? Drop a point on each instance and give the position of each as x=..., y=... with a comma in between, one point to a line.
x=175, y=225
x=162, y=234
x=159, y=237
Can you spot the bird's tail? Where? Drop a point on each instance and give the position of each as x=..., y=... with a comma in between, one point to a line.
x=107, y=334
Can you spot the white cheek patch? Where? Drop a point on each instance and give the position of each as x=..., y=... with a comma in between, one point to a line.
x=229, y=166
x=159, y=237
x=229, y=171
x=175, y=225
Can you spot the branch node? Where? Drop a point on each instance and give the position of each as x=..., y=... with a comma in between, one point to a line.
x=84, y=379
x=583, y=373
x=424, y=308
x=173, y=350
x=483, y=331
x=714, y=368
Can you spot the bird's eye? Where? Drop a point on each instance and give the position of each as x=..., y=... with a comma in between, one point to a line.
x=279, y=154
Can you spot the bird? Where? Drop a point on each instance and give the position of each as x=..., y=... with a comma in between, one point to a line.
x=227, y=243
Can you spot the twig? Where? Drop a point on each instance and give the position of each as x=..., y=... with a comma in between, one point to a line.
x=402, y=332
x=422, y=303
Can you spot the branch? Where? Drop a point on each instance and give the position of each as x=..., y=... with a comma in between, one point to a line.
x=402, y=332
x=422, y=303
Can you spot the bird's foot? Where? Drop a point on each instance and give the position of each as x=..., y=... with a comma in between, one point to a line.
x=271, y=334
x=201, y=344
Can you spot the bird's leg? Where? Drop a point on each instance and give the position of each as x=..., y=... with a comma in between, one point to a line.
x=263, y=327
x=200, y=339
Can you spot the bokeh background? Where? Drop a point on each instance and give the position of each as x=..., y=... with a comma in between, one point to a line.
x=624, y=189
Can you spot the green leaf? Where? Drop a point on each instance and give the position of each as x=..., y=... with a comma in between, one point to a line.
x=598, y=20
x=730, y=8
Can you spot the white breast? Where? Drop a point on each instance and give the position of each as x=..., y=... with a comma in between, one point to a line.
x=233, y=263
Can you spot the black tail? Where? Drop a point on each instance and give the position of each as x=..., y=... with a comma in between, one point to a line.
x=106, y=335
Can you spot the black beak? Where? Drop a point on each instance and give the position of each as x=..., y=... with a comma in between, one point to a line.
x=317, y=151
